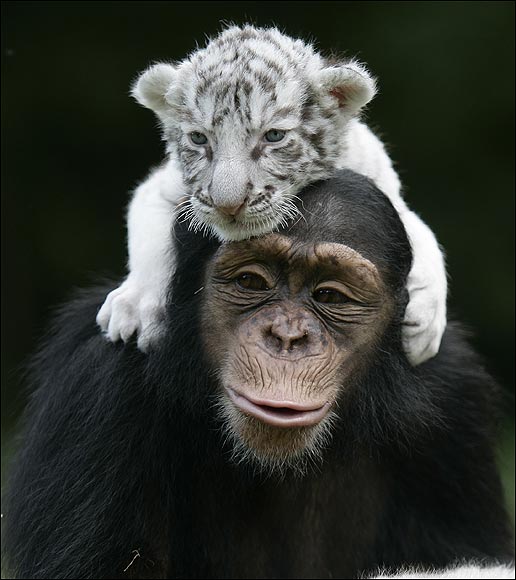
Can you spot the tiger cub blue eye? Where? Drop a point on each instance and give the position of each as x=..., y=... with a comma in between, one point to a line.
x=274, y=136
x=198, y=138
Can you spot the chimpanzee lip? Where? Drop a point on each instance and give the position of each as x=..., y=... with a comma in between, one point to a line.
x=279, y=413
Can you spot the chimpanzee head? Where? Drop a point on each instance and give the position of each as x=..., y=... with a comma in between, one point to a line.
x=291, y=319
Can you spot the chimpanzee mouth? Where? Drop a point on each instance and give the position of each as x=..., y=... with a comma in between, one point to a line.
x=279, y=413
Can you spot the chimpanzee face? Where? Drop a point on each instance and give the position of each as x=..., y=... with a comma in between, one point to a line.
x=288, y=324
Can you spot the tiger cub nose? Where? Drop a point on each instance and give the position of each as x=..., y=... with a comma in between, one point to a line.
x=232, y=210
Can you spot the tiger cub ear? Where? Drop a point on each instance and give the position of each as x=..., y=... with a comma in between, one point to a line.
x=154, y=88
x=349, y=84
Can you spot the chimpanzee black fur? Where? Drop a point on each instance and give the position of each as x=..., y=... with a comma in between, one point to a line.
x=124, y=472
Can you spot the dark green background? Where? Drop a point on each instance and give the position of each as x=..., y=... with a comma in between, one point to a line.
x=74, y=143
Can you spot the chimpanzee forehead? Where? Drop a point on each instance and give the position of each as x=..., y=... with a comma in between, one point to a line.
x=349, y=209
x=289, y=248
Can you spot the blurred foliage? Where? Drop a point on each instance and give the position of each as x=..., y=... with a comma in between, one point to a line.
x=74, y=143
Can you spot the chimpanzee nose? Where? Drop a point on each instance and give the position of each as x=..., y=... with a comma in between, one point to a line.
x=232, y=210
x=288, y=334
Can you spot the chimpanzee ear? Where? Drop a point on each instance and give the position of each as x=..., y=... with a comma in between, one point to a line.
x=350, y=84
x=153, y=87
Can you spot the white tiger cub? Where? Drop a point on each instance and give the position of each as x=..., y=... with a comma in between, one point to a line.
x=249, y=121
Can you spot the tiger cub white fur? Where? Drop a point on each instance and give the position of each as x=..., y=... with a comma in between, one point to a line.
x=249, y=121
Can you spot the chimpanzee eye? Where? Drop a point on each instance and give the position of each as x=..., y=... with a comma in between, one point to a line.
x=274, y=136
x=329, y=296
x=251, y=281
x=198, y=138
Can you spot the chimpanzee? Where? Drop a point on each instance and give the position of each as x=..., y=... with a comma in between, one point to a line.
x=278, y=429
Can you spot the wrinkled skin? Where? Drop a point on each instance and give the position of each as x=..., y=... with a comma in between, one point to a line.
x=293, y=322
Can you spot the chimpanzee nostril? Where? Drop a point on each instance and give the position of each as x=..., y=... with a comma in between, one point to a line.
x=288, y=335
